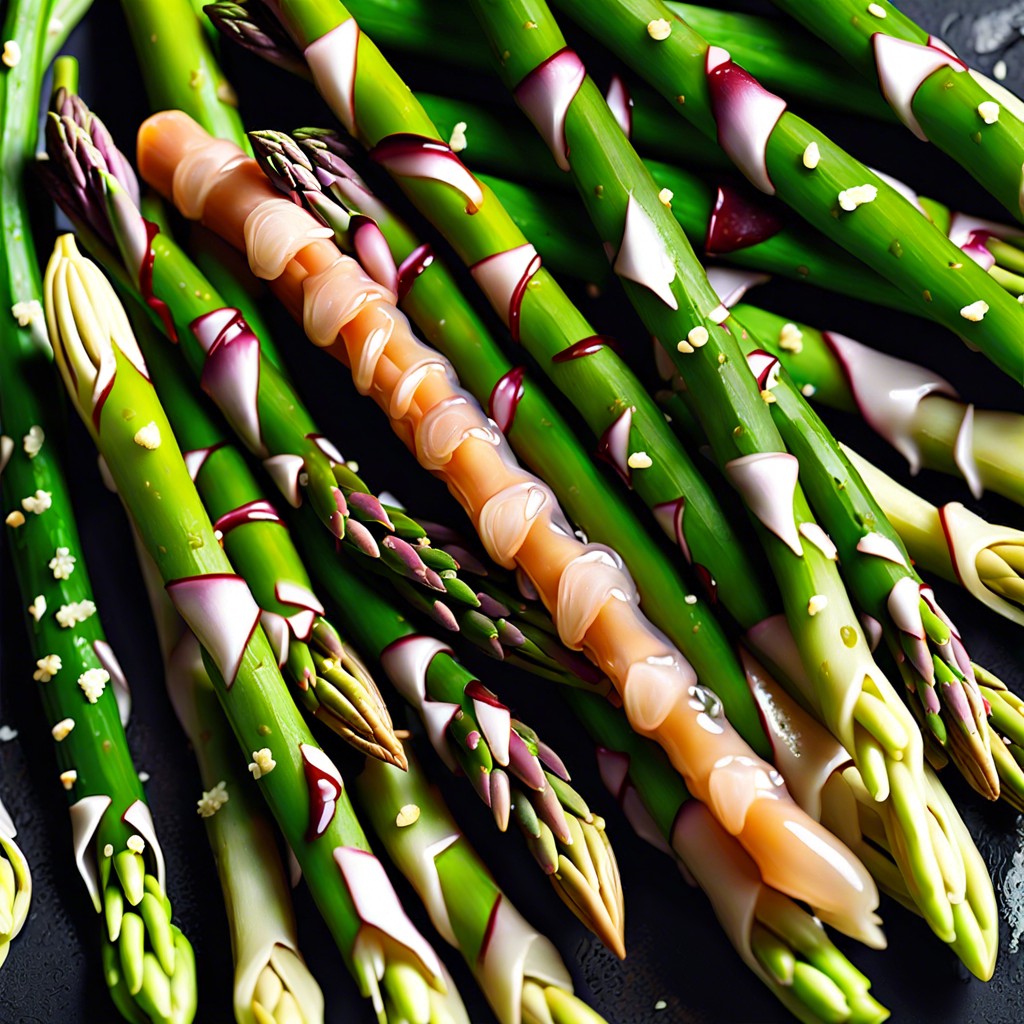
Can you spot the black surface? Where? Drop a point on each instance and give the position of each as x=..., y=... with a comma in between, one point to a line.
x=677, y=952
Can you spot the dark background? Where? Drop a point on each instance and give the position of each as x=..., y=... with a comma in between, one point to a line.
x=677, y=952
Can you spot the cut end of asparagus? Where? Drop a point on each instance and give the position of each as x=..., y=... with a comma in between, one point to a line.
x=285, y=992
x=549, y=1004
x=148, y=962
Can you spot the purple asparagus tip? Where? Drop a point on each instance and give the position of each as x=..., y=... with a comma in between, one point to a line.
x=444, y=616
x=362, y=538
x=549, y=810
x=524, y=763
x=370, y=507
x=488, y=605
x=510, y=634
x=552, y=761
x=501, y=798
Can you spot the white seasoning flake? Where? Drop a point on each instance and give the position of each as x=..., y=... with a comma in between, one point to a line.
x=876, y=10
x=818, y=603
x=28, y=313
x=47, y=667
x=92, y=682
x=808, y=390
x=791, y=338
x=11, y=55
x=767, y=397
x=690, y=599
x=665, y=197
x=999, y=70
x=812, y=156
x=68, y=615
x=148, y=436
x=858, y=195
x=68, y=778
x=62, y=565
x=32, y=442
x=988, y=111
x=685, y=347
x=108, y=850
x=718, y=315
x=661, y=1005
x=698, y=336
x=136, y=844
x=659, y=29
x=62, y=728
x=37, y=503
x=15, y=519
x=975, y=311
x=457, y=143
x=408, y=815
x=212, y=800
x=262, y=763
x=37, y=609
x=143, y=776
x=7, y=734
x=639, y=460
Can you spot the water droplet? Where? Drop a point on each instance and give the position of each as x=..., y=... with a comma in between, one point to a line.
x=849, y=635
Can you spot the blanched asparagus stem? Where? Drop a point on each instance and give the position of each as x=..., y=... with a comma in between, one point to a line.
x=779, y=941
x=535, y=428
x=257, y=400
x=591, y=597
x=930, y=89
x=106, y=378
x=15, y=885
x=272, y=984
x=518, y=969
x=148, y=963
x=985, y=558
x=670, y=291
x=326, y=676
x=940, y=683
x=837, y=194
x=474, y=733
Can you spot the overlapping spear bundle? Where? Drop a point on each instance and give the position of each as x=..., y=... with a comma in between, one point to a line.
x=769, y=681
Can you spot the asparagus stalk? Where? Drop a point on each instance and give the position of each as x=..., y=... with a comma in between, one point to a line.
x=518, y=969
x=272, y=984
x=474, y=733
x=930, y=89
x=106, y=377
x=668, y=287
x=328, y=679
x=985, y=558
x=837, y=194
x=148, y=963
x=532, y=424
x=257, y=400
x=15, y=885
x=779, y=941
x=590, y=595
x=936, y=668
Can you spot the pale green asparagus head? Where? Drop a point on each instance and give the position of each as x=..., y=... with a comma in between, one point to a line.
x=87, y=326
x=15, y=885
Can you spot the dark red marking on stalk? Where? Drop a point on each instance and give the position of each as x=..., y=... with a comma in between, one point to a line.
x=515, y=302
x=97, y=409
x=417, y=154
x=146, y=283
x=585, y=347
x=505, y=398
x=489, y=930
x=411, y=267
x=613, y=445
x=324, y=790
x=707, y=581
x=476, y=690
x=739, y=221
x=259, y=511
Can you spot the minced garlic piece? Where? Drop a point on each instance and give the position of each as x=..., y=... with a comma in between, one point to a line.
x=148, y=436
x=457, y=143
x=37, y=503
x=818, y=603
x=876, y=10
x=11, y=55
x=665, y=196
x=62, y=565
x=136, y=844
x=858, y=195
x=262, y=763
x=32, y=442
x=407, y=815
x=93, y=682
x=78, y=611
x=767, y=397
x=988, y=111
x=639, y=460
x=975, y=311
x=47, y=667
x=659, y=29
x=15, y=519
x=68, y=778
x=812, y=155
x=62, y=728
x=698, y=336
x=37, y=609
x=791, y=338
x=27, y=313
x=212, y=800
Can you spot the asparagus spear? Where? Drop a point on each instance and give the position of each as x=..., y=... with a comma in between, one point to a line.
x=327, y=677
x=272, y=984
x=930, y=89
x=586, y=588
x=257, y=400
x=837, y=194
x=106, y=377
x=668, y=288
x=518, y=969
x=503, y=759
x=784, y=946
x=15, y=885
x=986, y=559
x=148, y=963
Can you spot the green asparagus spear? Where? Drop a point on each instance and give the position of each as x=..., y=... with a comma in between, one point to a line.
x=518, y=969
x=106, y=377
x=117, y=851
